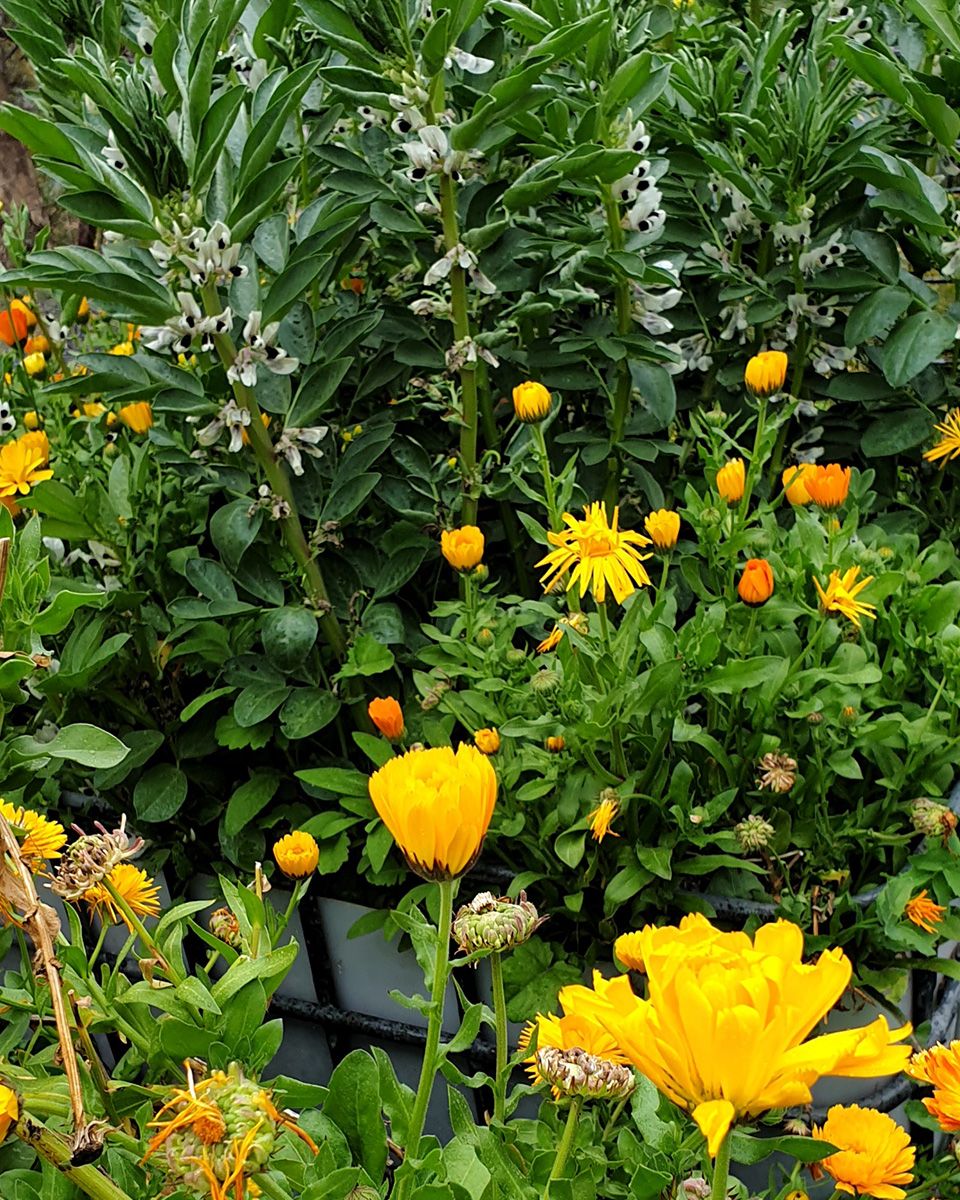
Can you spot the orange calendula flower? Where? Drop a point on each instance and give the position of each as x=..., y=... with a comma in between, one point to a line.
x=554, y=744
x=874, y=1154
x=840, y=595
x=387, y=715
x=297, y=854
x=463, y=547
x=21, y=468
x=794, y=486
x=531, y=402
x=663, y=527
x=604, y=815
x=756, y=583
x=134, y=886
x=487, y=741
x=137, y=417
x=16, y=320
x=948, y=448
x=577, y=621
x=44, y=838
x=940, y=1068
x=597, y=555
x=766, y=373
x=925, y=913
x=731, y=480
x=829, y=486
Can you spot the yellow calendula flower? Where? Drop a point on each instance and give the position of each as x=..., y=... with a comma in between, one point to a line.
x=32, y=420
x=829, y=486
x=21, y=468
x=940, y=1068
x=9, y=1110
x=874, y=1154
x=731, y=480
x=794, y=487
x=437, y=804
x=297, y=854
x=137, y=417
x=487, y=741
x=725, y=1031
x=766, y=373
x=663, y=527
x=134, y=886
x=122, y=349
x=948, y=448
x=35, y=364
x=840, y=595
x=463, y=547
x=36, y=442
x=531, y=402
x=924, y=912
x=598, y=555
x=577, y=621
x=44, y=838
x=604, y=815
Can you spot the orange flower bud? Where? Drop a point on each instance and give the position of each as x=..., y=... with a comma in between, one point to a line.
x=756, y=582
x=387, y=715
x=487, y=741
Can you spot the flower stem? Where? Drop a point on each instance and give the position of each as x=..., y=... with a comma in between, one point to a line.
x=280, y=485
x=614, y=1118
x=754, y=463
x=549, y=489
x=565, y=1144
x=468, y=374
x=428, y=1069
x=56, y=1150
x=623, y=386
x=138, y=927
x=270, y=1188
x=721, y=1170
x=500, y=1078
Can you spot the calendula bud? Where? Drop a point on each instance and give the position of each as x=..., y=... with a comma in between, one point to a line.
x=577, y=1073
x=490, y=922
x=753, y=833
x=362, y=1192
x=515, y=656
x=485, y=638
x=545, y=681
x=932, y=819
x=554, y=744
x=815, y=718
x=481, y=573
x=778, y=773
x=225, y=926
x=848, y=714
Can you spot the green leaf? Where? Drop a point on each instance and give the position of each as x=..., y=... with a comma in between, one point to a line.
x=353, y=1104
x=288, y=635
x=875, y=315
x=366, y=657
x=232, y=530
x=160, y=793
x=335, y=779
x=87, y=745
x=915, y=344
x=258, y=701
x=56, y=616
x=249, y=800
x=742, y=674
x=307, y=710
x=746, y=1149
x=895, y=431
x=940, y=16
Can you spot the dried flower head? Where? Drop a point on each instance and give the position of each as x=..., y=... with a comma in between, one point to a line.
x=932, y=819
x=91, y=858
x=777, y=773
x=753, y=833
x=490, y=922
x=225, y=926
x=577, y=1073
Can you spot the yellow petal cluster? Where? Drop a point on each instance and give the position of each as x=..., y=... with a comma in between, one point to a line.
x=9, y=1110
x=731, y=480
x=725, y=1030
x=940, y=1067
x=132, y=885
x=874, y=1155
x=297, y=854
x=463, y=547
x=531, y=402
x=44, y=838
x=663, y=527
x=596, y=554
x=840, y=595
x=437, y=804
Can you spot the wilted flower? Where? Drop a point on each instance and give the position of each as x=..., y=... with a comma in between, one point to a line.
x=932, y=819
x=874, y=1156
x=490, y=922
x=225, y=926
x=753, y=833
x=778, y=773
x=575, y=1054
x=293, y=443
x=91, y=858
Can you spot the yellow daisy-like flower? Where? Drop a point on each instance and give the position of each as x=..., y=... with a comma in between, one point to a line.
x=794, y=487
x=840, y=595
x=297, y=854
x=463, y=547
x=948, y=448
x=874, y=1155
x=766, y=373
x=437, y=804
x=9, y=1110
x=598, y=555
x=21, y=468
x=134, y=886
x=924, y=912
x=487, y=740
x=731, y=480
x=577, y=621
x=663, y=527
x=531, y=402
x=603, y=817
x=940, y=1067
x=137, y=417
x=37, y=442
x=725, y=1032
x=44, y=838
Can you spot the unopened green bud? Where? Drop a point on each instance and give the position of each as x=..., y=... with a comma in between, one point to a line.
x=481, y=572
x=545, y=681
x=515, y=657
x=490, y=922
x=485, y=638
x=753, y=833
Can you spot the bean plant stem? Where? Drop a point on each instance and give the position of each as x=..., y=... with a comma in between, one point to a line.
x=566, y=1143
x=721, y=1170
x=280, y=485
x=624, y=322
x=468, y=374
x=441, y=968
x=56, y=1150
x=500, y=1078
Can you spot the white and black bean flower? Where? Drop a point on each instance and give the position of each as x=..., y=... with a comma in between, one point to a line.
x=461, y=257
x=111, y=152
x=260, y=349
x=231, y=419
x=8, y=422
x=818, y=258
x=470, y=63
x=293, y=443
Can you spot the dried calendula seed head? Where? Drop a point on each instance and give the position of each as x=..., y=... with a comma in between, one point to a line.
x=225, y=926
x=753, y=833
x=777, y=773
x=91, y=858
x=932, y=819
x=544, y=682
x=577, y=1073
x=491, y=922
